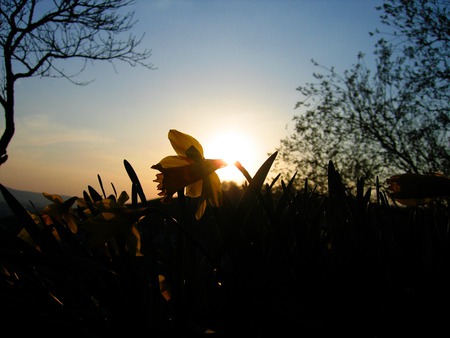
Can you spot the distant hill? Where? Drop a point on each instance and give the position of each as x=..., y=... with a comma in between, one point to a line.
x=25, y=197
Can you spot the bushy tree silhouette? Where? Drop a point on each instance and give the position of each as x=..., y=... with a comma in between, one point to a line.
x=392, y=118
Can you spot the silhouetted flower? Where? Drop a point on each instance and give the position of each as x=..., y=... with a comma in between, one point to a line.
x=416, y=189
x=190, y=170
x=60, y=210
x=108, y=218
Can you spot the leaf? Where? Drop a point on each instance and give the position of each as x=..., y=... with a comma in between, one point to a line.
x=88, y=201
x=122, y=198
x=114, y=189
x=101, y=184
x=135, y=180
x=243, y=171
x=284, y=199
x=253, y=189
x=95, y=196
x=45, y=241
x=336, y=188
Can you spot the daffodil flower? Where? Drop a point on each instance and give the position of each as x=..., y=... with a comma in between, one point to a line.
x=61, y=210
x=416, y=189
x=111, y=218
x=190, y=170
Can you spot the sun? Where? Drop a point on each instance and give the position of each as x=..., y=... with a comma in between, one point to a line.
x=231, y=146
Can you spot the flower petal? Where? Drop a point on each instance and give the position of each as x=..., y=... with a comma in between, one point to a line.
x=54, y=198
x=200, y=209
x=172, y=179
x=195, y=189
x=417, y=189
x=215, y=197
x=181, y=142
x=174, y=161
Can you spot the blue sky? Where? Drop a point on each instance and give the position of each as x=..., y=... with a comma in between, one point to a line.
x=223, y=68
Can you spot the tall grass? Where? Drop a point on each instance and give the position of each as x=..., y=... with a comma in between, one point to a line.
x=280, y=261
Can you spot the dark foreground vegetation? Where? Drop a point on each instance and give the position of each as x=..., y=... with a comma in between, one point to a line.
x=271, y=262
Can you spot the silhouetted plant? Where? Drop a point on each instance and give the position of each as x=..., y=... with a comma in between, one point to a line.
x=281, y=260
x=376, y=120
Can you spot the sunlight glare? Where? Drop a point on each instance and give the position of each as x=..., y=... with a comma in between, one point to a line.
x=231, y=146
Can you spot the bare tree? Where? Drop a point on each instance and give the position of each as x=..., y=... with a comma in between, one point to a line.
x=36, y=35
x=377, y=121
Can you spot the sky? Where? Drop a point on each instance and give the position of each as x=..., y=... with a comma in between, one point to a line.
x=225, y=72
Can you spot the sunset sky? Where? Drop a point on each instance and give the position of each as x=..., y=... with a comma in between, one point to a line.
x=227, y=73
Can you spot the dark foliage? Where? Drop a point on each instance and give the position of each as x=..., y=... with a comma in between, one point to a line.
x=281, y=262
x=392, y=116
